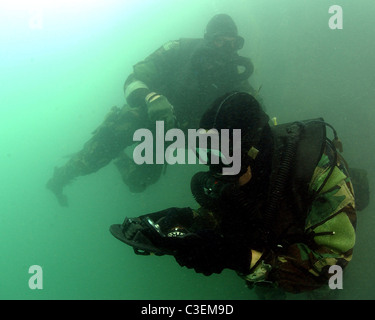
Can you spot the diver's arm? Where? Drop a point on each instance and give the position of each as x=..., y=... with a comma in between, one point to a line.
x=300, y=267
x=144, y=88
x=150, y=74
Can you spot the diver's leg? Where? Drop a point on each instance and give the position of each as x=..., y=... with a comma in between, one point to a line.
x=107, y=142
x=137, y=177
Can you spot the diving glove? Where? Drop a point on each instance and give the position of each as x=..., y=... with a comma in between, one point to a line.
x=159, y=109
x=172, y=232
x=213, y=253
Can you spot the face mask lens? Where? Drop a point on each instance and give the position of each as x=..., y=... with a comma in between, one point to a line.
x=232, y=43
x=225, y=42
x=219, y=42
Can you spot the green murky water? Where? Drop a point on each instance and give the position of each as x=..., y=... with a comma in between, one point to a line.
x=63, y=65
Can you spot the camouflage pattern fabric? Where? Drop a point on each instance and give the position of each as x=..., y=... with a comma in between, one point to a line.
x=330, y=236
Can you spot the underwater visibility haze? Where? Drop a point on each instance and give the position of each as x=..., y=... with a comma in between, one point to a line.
x=62, y=67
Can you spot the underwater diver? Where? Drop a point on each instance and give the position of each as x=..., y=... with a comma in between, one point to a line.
x=280, y=223
x=175, y=84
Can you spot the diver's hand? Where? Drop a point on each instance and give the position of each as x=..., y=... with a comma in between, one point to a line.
x=204, y=257
x=212, y=254
x=159, y=109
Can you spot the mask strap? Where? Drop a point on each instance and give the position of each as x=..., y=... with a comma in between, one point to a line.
x=221, y=104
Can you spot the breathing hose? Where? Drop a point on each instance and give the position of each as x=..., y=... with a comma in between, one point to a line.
x=280, y=183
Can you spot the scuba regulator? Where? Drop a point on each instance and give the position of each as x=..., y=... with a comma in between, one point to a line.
x=210, y=190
